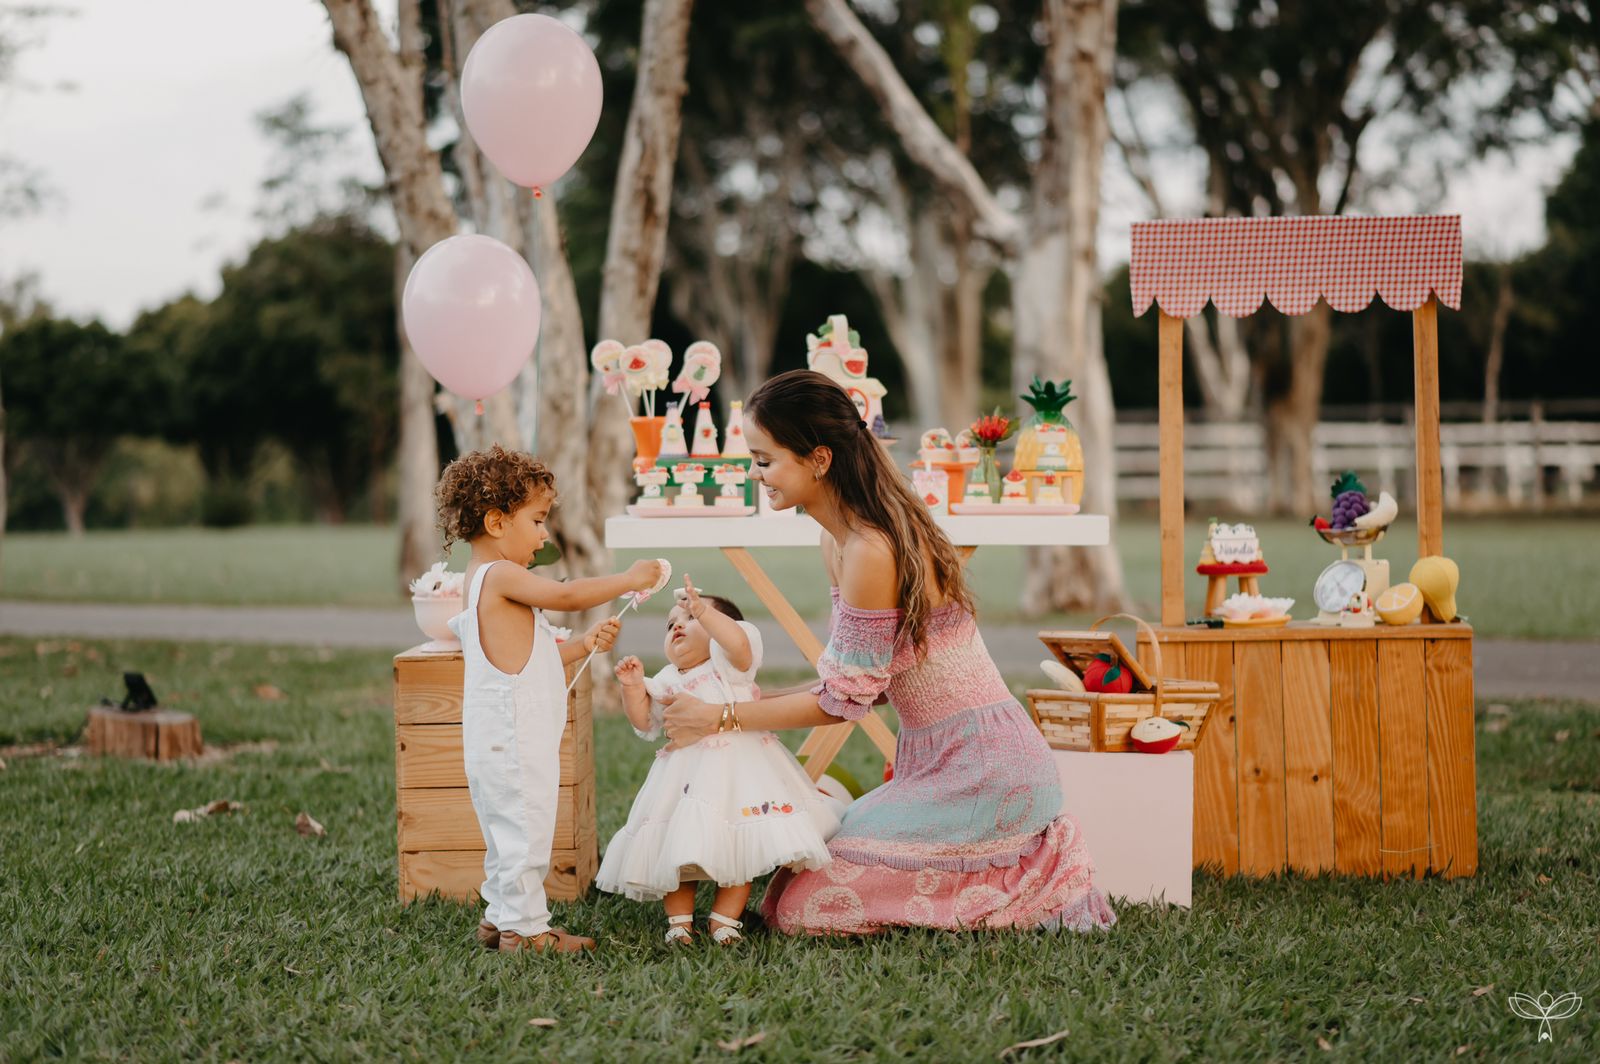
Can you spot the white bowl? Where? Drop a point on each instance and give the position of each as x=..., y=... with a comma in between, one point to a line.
x=433, y=616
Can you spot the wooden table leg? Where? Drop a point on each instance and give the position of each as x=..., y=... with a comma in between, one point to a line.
x=773, y=599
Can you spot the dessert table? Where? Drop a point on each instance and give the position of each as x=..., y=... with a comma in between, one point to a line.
x=734, y=536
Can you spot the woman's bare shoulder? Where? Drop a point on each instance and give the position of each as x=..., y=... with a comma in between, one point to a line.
x=871, y=577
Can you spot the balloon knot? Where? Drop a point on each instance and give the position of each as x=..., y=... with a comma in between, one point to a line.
x=538, y=193
x=479, y=408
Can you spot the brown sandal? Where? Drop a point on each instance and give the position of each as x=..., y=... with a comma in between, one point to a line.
x=488, y=935
x=554, y=940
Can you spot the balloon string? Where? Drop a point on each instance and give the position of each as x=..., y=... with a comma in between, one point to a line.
x=579, y=675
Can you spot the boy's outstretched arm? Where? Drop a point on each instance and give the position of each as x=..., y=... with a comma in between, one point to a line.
x=543, y=593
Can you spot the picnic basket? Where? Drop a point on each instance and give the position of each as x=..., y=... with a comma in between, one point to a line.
x=1100, y=721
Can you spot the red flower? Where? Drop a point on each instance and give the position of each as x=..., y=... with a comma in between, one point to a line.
x=993, y=428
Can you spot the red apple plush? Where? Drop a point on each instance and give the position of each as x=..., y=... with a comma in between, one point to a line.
x=1105, y=674
x=1156, y=735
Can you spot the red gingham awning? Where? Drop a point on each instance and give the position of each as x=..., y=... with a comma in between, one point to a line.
x=1180, y=263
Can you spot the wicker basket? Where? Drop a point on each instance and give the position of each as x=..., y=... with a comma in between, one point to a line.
x=1100, y=721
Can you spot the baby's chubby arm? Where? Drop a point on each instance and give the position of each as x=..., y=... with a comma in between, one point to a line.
x=719, y=626
x=635, y=699
x=543, y=593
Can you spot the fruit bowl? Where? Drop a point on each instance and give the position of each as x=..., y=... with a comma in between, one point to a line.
x=1351, y=537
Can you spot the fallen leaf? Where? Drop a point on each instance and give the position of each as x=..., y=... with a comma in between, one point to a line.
x=292, y=970
x=1417, y=1000
x=1460, y=1050
x=1563, y=735
x=184, y=816
x=542, y=1021
x=305, y=824
x=1482, y=990
x=1544, y=878
x=269, y=692
x=1034, y=1043
x=221, y=805
x=741, y=1043
x=1324, y=1045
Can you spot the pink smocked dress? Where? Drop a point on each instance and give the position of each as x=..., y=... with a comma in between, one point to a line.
x=970, y=831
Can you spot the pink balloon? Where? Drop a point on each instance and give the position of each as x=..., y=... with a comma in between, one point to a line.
x=471, y=310
x=530, y=91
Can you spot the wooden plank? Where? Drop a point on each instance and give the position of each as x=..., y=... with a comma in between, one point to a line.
x=1430, y=481
x=1308, y=756
x=1258, y=684
x=1357, y=829
x=1452, y=766
x=427, y=690
x=1171, y=418
x=457, y=874
x=822, y=745
x=442, y=818
x=1403, y=757
x=429, y=755
x=1314, y=632
x=1216, y=761
x=773, y=599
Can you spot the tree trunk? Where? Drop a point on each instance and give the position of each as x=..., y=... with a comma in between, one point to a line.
x=1505, y=300
x=1292, y=416
x=1080, y=46
x=418, y=465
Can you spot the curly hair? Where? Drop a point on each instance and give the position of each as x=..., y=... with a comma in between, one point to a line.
x=480, y=481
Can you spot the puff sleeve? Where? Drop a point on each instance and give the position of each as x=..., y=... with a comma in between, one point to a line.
x=858, y=662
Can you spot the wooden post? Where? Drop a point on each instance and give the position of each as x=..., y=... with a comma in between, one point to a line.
x=1430, y=484
x=1171, y=400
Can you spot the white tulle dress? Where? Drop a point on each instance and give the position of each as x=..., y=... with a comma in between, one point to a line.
x=734, y=806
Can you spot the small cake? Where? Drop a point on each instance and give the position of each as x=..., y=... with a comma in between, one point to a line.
x=1052, y=441
x=977, y=494
x=652, y=484
x=705, y=435
x=730, y=480
x=689, y=476
x=673, y=445
x=1014, y=489
x=1048, y=491
x=1231, y=550
x=936, y=446
x=966, y=450
x=834, y=351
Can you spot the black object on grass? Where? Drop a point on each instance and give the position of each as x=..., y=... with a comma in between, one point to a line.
x=139, y=697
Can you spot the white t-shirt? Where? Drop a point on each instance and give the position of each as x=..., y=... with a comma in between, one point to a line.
x=714, y=680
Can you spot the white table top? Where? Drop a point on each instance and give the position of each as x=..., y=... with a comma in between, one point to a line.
x=997, y=530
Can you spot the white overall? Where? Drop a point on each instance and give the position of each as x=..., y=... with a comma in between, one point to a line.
x=511, y=739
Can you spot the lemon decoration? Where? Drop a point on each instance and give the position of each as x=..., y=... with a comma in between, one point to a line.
x=1400, y=604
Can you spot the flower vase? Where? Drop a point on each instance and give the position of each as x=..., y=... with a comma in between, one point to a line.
x=988, y=471
x=646, y=440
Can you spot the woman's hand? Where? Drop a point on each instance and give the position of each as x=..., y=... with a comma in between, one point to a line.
x=688, y=720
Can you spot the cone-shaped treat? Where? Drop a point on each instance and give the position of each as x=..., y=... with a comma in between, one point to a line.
x=733, y=441
x=705, y=435
x=673, y=445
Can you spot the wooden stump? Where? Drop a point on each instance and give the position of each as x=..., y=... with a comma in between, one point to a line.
x=159, y=734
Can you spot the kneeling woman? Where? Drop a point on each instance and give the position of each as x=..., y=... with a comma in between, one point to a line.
x=970, y=832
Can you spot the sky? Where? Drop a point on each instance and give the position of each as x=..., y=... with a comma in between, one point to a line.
x=155, y=160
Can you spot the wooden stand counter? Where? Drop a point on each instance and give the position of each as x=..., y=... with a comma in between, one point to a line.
x=441, y=848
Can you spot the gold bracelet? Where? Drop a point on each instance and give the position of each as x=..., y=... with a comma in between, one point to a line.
x=733, y=714
x=722, y=725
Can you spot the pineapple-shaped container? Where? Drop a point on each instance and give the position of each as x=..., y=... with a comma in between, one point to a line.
x=1049, y=400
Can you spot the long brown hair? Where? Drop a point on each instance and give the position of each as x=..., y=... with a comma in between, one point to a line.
x=802, y=410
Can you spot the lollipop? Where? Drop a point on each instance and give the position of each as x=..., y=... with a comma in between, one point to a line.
x=702, y=365
x=606, y=358
x=634, y=598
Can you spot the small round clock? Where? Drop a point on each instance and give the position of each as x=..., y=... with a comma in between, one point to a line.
x=1338, y=584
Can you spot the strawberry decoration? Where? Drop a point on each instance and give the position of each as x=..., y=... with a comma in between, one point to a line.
x=1107, y=675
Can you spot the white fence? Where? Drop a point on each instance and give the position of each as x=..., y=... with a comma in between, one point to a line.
x=1517, y=464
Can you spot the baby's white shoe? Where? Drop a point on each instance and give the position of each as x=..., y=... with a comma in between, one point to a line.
x=679, y=930
x=728, y=933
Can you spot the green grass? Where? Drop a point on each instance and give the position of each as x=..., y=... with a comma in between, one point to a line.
x=1528, y=578
x=126, y=936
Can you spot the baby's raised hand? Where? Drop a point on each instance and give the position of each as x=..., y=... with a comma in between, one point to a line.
x=603, y=636
x=690, y=599
x=630, y=671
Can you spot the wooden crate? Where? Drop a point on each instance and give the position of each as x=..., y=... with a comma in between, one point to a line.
x=1333, y=750
x=441, y=848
